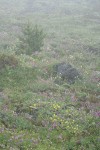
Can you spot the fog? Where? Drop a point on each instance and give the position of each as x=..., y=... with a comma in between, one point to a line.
x=50, y=6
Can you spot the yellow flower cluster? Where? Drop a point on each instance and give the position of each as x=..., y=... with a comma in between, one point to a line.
x=34, y=106
x=72, y=112
x=69, y=125
x=56, y=106
x=55, y=118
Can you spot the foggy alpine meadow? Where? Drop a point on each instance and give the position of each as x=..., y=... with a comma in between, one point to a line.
x=49, y=74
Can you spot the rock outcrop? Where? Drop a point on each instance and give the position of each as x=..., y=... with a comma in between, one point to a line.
x=67, y=72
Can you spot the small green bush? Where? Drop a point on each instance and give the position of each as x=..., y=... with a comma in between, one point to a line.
x=31, y=40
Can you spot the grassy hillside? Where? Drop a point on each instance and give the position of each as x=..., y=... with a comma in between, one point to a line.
x=37, y=109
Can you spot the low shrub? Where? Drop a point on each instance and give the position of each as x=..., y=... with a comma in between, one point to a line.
x=8, y=60
x=31, y=40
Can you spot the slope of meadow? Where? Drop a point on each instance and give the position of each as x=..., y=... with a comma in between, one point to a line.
x=35, y=111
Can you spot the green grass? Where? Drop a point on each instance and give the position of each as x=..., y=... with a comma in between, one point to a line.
x=35, y=111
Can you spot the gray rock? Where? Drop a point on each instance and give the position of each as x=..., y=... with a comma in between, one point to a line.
x=67, y=72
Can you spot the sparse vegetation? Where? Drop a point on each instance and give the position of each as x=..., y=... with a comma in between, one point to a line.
x=38, y=109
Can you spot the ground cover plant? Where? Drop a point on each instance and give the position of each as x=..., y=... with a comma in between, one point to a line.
x=38, y=108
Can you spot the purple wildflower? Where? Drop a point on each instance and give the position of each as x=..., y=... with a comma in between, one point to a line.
x=97, y=114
